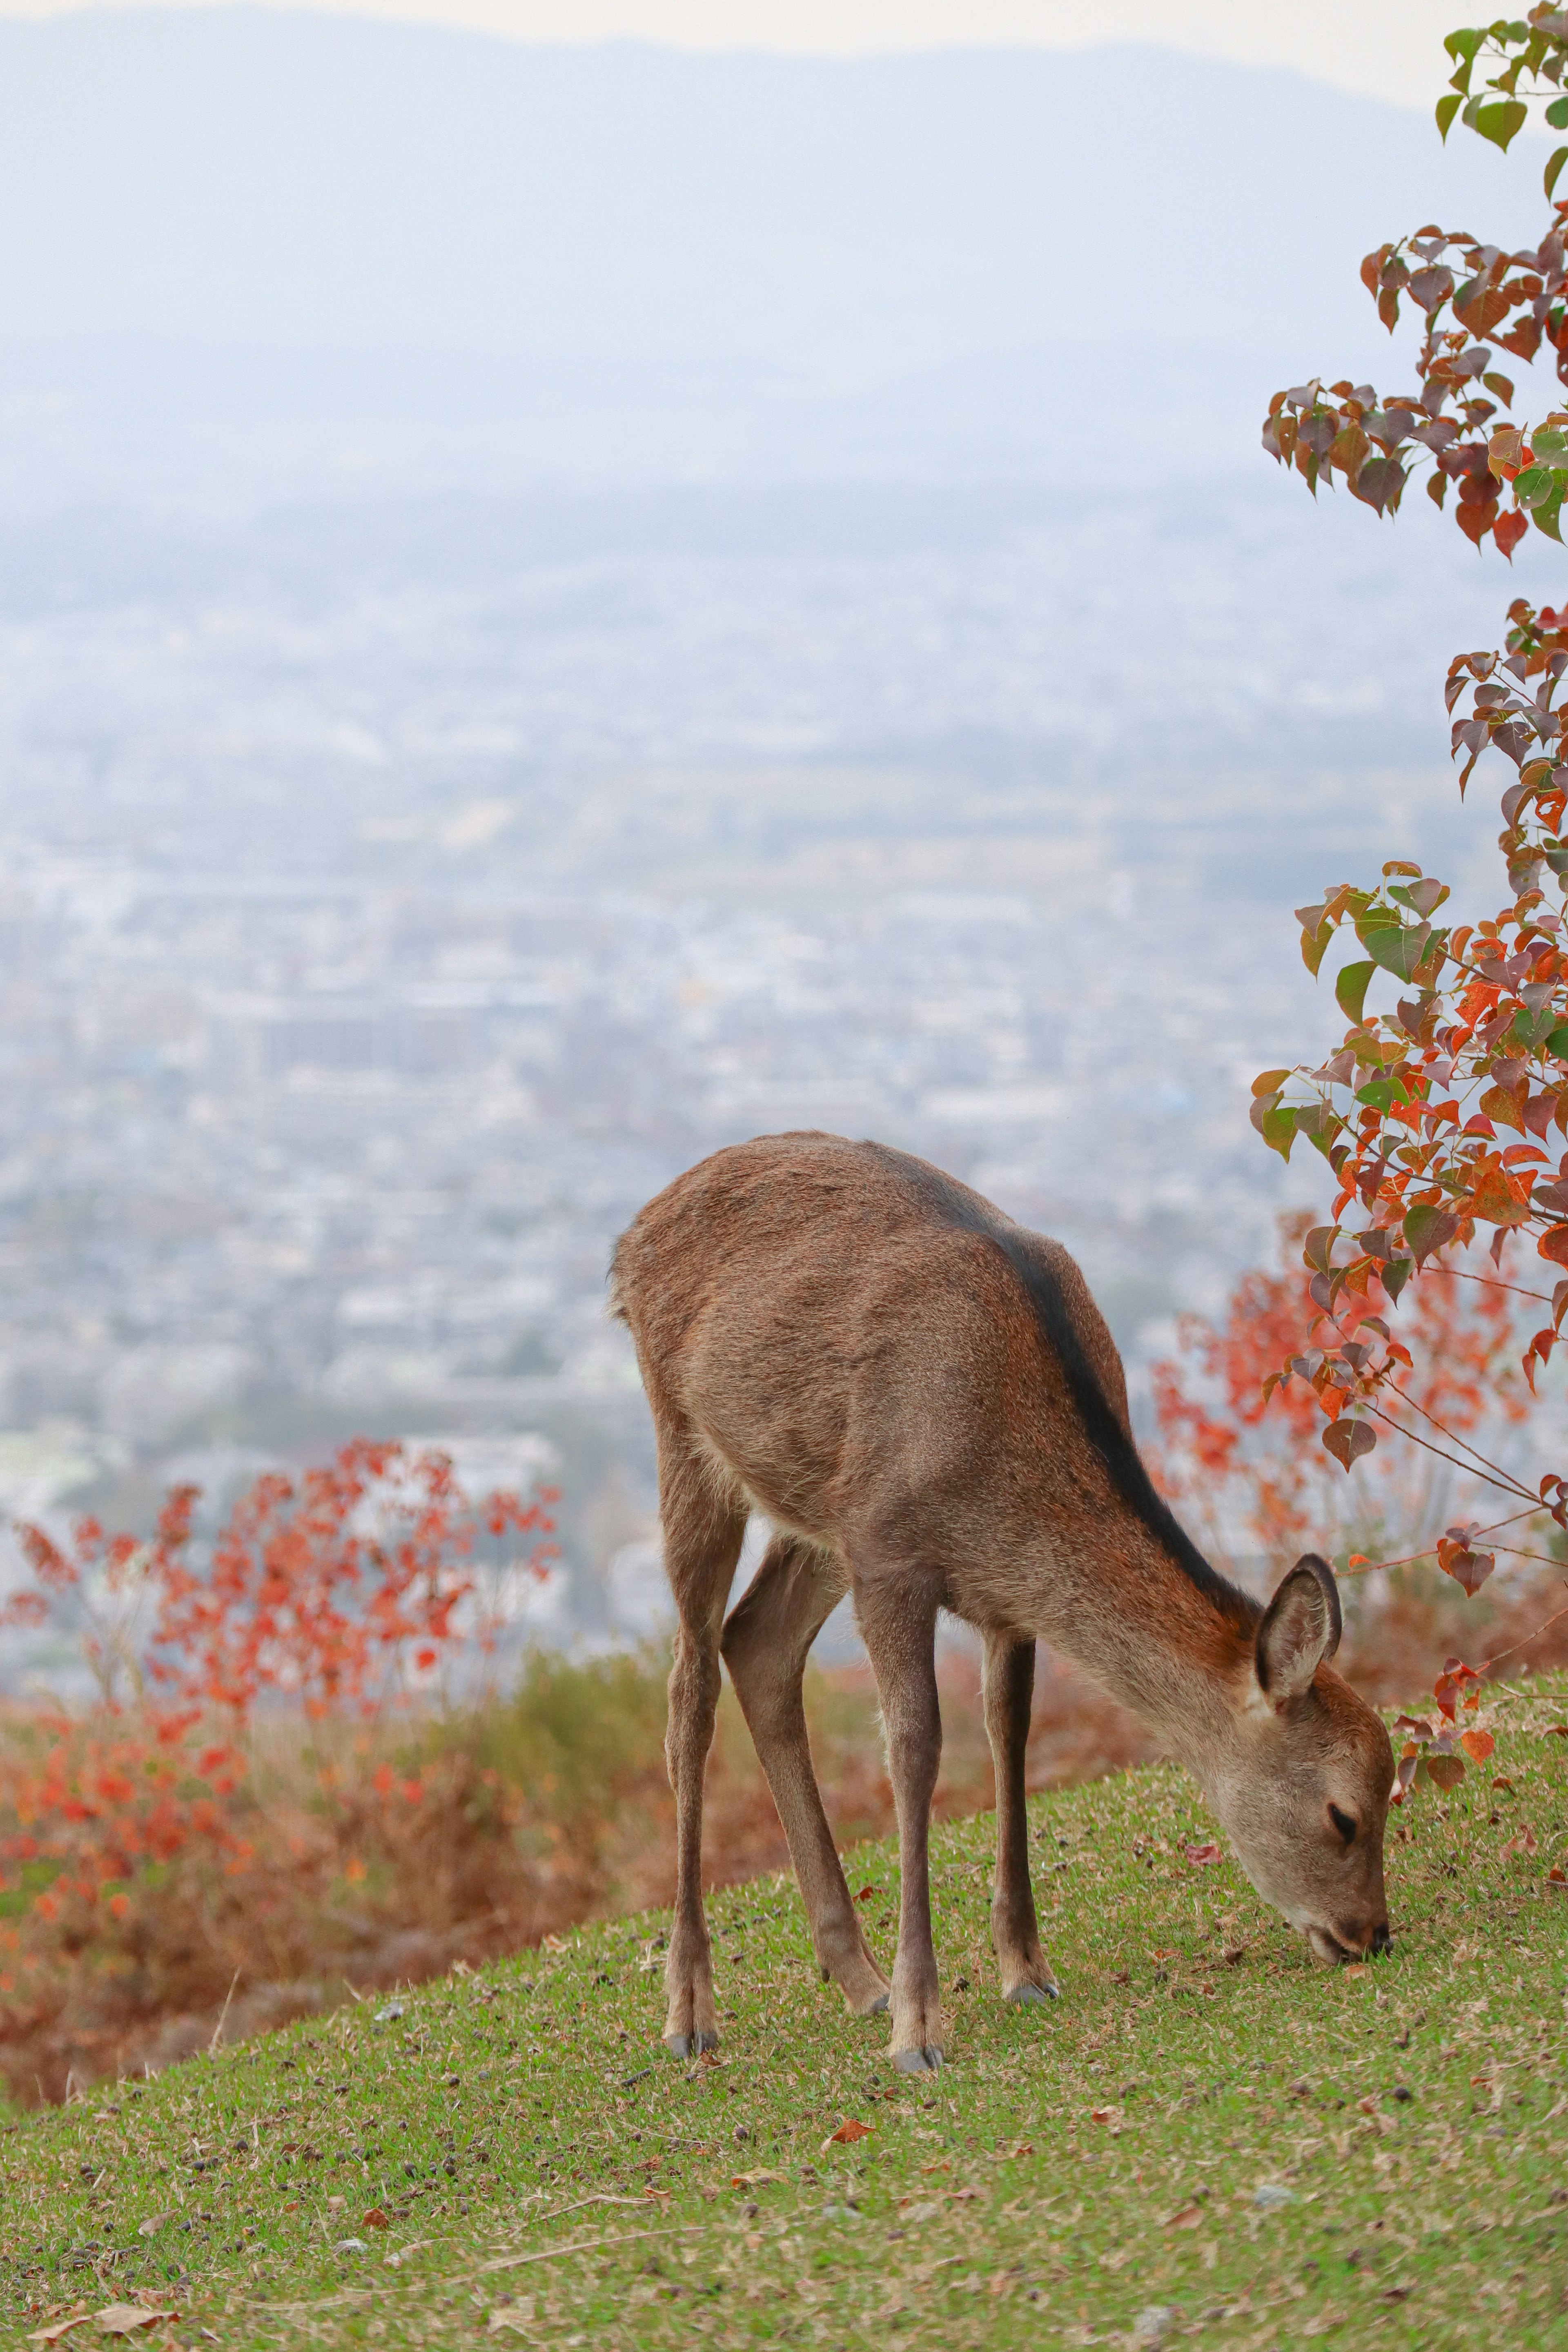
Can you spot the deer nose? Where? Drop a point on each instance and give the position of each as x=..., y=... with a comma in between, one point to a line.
x=1382, y=1942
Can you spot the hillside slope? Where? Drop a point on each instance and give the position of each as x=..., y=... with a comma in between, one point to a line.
x=1206, y=2136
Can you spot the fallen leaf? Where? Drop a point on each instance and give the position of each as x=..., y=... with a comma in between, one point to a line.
x=1525, y=1842
x=375, y=2219
x=125, y=2318
x=60, y=2328
x=1186, y=2217
x=1206, y=1853
x=1102, y=2115
x=151, y=2225
x=754, y=2180
x=864, y=1894
x=1555, y=1731
x=518, y=2316
x=1557, y=1880
x=848, y=2132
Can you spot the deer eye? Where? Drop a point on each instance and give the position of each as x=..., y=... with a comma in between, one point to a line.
x=1343, y=1822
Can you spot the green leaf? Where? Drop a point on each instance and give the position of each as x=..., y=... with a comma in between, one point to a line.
x=1549, y=518
x=1532, y=1029
x=1557, y=114
x=1377, y=1094
x=1278, y=1128
x=1501, y=122
x=1464, y=41
x=1557, y=1042
x=1351, y=987
x=1396, y=1272
x=1447, y=109
x=1550, y=442
x=1537, y=484
x=1554, y=164
x=1397, y=949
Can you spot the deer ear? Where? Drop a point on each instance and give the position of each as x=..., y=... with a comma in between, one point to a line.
x=1300, y=1628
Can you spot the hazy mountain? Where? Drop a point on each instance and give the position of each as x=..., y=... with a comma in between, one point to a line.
x=243, y=253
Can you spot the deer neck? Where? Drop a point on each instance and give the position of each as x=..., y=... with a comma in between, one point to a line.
x=1172, y=1651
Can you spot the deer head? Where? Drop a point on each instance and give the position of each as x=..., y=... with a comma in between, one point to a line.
x=1304, y=1784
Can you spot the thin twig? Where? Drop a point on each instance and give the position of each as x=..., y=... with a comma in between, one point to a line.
x=1527, y=1641
x=1488, y=1465
x=223, y=2018
x=1462, y=1274
x=1412, y=1559
x=1468, y=1467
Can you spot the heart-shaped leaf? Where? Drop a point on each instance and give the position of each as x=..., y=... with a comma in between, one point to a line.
x=1347, y=1441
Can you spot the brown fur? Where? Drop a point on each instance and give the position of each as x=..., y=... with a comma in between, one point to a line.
x=925, y=1403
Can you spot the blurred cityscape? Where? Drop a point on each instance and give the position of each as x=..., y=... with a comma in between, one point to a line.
x=397, y=886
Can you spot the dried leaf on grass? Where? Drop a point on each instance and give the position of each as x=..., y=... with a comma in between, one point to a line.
x=52, y=2335
x=126, y=2318
x=848, y=2130
x=1186, y=2217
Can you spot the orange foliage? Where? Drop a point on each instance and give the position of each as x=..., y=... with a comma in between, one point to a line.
x=1238, y=1441
x=331, y=1591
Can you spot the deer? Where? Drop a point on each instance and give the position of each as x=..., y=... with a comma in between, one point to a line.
x=923, y=1400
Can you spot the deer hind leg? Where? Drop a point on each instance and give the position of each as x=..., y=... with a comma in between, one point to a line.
x=1014, y=1931
x=703, y=1529
x=766, y=1640
x=898, y=1624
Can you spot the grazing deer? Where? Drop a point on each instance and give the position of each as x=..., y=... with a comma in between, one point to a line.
x=924, y=1400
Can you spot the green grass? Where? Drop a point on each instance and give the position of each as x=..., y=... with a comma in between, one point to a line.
x=1084, y=2173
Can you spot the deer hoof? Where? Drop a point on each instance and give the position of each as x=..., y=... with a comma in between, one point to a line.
x=884, y=2001
x=924, y=2061
x=1022, y=1995
x=689, y=2045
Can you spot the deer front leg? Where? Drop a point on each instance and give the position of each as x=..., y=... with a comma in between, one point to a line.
x=1014, y=1931
x=766, y=1640
x=898, y=1623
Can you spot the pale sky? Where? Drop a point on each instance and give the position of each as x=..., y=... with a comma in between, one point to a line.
x=1386, y=49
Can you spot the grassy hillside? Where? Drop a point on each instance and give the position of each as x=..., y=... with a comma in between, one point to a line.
x=1207, y=2136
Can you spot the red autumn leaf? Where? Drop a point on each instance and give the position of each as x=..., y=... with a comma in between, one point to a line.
x=1206, y=1853
x=1347, y=1441
x=376, y=2219
x=1508, y=529
x=1476, y=1745
x=864, y=1894
x=848, y=2131
x=1554, y=1245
